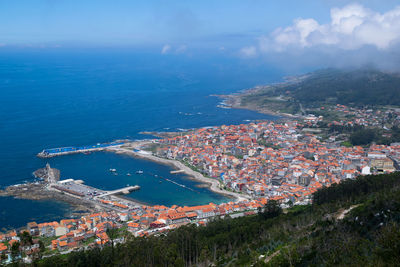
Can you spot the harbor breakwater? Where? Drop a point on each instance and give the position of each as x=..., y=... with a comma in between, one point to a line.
x=54, y=152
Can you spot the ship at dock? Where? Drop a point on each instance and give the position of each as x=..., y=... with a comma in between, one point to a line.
x=53, y=152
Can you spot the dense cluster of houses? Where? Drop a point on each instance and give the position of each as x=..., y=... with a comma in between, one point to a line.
x=66, y=234
x=272, y=160
x=91, y=230
x=266, y=161
x=366, y=117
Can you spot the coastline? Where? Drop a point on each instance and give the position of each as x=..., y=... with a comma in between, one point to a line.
x=31, y=191
x=213, y=184
x=233, y=101
x=34, y=191
x=78, y=206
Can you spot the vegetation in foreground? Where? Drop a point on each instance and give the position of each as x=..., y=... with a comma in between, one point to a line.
x=354, y=223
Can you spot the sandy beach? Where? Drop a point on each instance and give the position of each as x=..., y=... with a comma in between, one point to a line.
x=212, y=183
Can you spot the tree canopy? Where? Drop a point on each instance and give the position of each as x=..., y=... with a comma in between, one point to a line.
x=303, y=235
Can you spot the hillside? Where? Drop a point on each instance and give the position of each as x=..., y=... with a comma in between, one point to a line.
x=363, y=87
x=355, y=223
x=360, y=87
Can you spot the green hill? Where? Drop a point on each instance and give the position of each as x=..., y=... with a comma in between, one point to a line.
x=355, y=223
x=361, y=87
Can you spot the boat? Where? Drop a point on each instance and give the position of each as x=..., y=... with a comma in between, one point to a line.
x=113, y=170
x=139, y=172
x=128, y=174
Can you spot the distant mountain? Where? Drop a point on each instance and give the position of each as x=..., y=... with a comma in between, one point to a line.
x=359, y=87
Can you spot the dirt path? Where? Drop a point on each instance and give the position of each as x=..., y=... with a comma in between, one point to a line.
x=342, y=214
x=272, y=256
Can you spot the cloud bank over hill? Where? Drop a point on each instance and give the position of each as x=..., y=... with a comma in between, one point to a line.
x=351, y=27
x=354, y=33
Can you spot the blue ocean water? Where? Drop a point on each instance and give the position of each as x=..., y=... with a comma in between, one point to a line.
x=61, y=98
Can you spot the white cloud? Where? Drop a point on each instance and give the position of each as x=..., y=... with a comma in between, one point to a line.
x=248, y=51
x=181, y=49
x=173, y=49
x=350, y=28
x=165, y=49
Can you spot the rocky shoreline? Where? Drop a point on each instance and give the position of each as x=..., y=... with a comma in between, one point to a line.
x=39, y=191
x=234, y=101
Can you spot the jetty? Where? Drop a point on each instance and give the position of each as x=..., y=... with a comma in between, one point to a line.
x=78, y=188
x=176, y=172
x=96, y=196
x=125, y=191
x=53, y=152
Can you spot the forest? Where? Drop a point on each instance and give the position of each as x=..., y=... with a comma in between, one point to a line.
x=353, y=223
x=366, y=136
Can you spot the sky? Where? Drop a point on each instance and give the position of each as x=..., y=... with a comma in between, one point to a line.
x=367, y=31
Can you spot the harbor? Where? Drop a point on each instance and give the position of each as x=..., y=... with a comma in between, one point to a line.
x=108, y=200
x=134, y=149
x=84, y=198
x=85, y=195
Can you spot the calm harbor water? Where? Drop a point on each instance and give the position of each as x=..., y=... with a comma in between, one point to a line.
x=61, y=98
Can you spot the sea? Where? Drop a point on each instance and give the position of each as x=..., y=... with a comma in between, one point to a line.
x=69, y=97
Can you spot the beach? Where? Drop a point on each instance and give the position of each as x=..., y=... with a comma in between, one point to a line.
x=213, y=184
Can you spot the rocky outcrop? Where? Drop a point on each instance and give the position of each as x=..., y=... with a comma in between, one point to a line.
x=48, y=174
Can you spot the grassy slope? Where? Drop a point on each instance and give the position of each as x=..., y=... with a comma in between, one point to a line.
x=357, y=87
